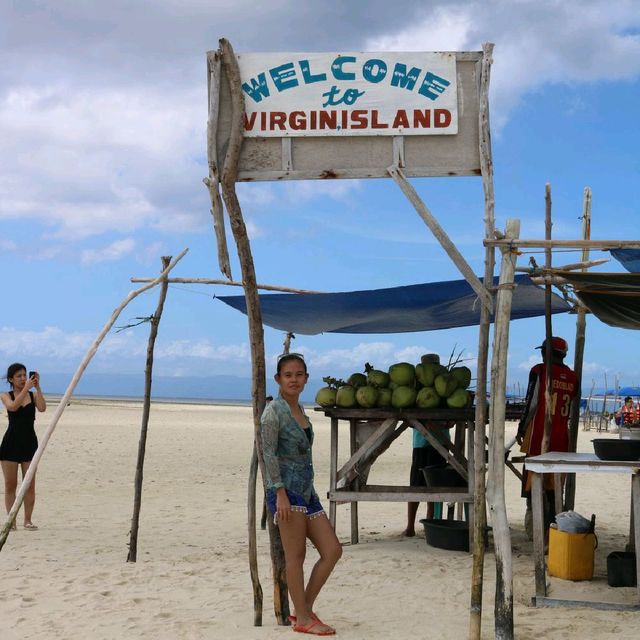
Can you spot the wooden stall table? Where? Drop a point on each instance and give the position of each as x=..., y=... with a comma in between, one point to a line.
x=371, y=432
x=559, y=463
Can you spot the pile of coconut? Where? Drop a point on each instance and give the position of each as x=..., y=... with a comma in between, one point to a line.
x=426, y=385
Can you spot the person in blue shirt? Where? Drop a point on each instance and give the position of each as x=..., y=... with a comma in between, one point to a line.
x=287, y=439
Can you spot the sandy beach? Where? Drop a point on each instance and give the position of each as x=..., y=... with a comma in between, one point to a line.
x=70, y=579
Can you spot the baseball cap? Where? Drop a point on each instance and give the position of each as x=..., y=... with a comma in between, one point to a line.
x=557, y=344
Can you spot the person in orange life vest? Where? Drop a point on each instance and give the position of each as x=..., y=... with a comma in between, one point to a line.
x=628, y=413
x=531, y=426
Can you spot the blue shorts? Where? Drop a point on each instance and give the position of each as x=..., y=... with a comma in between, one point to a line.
x=312, y=508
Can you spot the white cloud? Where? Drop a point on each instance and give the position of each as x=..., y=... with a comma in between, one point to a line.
x=111, y=252
x=536, y=44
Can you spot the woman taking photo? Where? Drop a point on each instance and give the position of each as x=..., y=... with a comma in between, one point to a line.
x=287, y=438
x=20, y=442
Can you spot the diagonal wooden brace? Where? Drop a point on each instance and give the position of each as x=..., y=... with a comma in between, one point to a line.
x=441, y=236
x=441, y=449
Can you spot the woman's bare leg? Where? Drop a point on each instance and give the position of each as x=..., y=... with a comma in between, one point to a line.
x=323, y=537
x=10, y=473
x=30, y=496
x=294, y=542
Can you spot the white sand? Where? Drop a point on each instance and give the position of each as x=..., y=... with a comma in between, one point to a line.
x=70, y=580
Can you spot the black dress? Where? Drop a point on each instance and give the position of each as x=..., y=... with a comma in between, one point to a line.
x=20, y=441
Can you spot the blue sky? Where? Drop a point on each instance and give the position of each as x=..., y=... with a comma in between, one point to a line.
x=103, y=116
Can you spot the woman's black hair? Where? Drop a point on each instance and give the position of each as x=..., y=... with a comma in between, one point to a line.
x=288, y=357
x=628, y=398
x=12, y=370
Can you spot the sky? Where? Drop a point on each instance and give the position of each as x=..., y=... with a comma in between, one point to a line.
x=103, y=127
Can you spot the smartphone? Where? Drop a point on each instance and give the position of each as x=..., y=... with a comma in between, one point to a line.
x=32, y=373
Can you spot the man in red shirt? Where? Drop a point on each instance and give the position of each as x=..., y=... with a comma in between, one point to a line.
x=531, y=426
x=628, y=413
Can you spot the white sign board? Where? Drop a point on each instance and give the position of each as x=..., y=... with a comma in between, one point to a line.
x=349, y=94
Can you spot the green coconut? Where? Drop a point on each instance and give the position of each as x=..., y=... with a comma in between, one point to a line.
x=462, y=375
x=326, y=397
x=427, y=398
x=426, y=372
x=402, y=373
x=459, y=399
x=357, y=380
x=384, y=397
x=375, y=377
x=366, y=396
x=346, y=397
x=403, y=397
x=445, y=385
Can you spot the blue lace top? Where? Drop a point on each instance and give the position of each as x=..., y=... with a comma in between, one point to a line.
x=287, y=450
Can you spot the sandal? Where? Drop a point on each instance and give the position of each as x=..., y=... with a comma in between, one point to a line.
x=30, y=526
x=329, y=631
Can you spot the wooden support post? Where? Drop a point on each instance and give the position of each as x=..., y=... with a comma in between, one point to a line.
x=256, y=331
x=479, y=502
x=495, y=480
x=635, y=497
x=212, y=182
x=146, y=407
x=581, y=328
x=441, y=236
x=353, y=447
x=64, y=401
x=333, y=469
x=537, y=510
x=546, y=436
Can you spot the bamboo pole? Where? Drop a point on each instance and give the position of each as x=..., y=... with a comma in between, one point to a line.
x=441, y=236
x=212, y=182
x=566, y=244
x=28, y=477
x=142, y=444
x=256, y=334
x=479, y=501
x=495, y=480
x=228, y=283
x=582, y=265
x=546, y=436
x=578, y=360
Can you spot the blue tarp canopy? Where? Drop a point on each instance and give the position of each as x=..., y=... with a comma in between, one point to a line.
x=417, y=307
x=628, y=258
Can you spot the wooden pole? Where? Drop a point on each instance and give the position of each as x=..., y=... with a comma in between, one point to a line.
x=546, y=437
x=256, y=333
x=28, y=478
x=583, y=265
x=228, y=283
x=578, y=359
x=479, y=499
x=566, y=244
x=142, y=444
x=495, y=480
x=212, y=182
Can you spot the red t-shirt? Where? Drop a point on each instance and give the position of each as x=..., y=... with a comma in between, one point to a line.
x=563, y=391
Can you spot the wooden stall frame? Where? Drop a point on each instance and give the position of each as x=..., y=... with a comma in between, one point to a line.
x=482, y=63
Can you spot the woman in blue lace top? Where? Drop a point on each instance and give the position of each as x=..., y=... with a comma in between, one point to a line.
x=287, y=438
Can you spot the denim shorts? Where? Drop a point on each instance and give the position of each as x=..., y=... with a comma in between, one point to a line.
x=311, y=508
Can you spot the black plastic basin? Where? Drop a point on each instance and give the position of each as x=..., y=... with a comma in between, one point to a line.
x=447, y=534
x=607, y=449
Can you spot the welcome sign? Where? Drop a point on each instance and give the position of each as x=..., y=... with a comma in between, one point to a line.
x=347, y=94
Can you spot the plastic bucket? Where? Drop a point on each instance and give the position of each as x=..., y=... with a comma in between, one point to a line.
x=571, y=555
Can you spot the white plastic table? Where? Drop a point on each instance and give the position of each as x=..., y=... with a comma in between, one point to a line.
x=558, y=463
